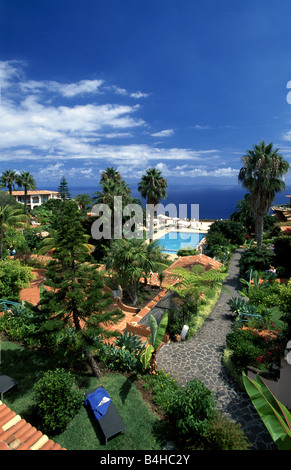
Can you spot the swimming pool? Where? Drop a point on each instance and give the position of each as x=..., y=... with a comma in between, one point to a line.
x=173, y=241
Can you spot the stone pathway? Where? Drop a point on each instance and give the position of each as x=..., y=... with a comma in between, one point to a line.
x=201, y=357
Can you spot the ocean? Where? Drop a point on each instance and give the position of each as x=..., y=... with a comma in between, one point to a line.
x=214, y=202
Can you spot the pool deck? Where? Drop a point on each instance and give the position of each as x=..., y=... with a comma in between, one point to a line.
x=202, y=227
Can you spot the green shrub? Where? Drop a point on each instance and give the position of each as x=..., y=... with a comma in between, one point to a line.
x=257, y=259
x=188, y=251
x=224, y=434
x=282, y=249
x=245, y=348
x=164, y=388
x=19, y=324
x=231, y=230
x=57, y=399
x=268, y=295
x=175, y=323
x=13, y=278
x=192, y=409
x=32, y=328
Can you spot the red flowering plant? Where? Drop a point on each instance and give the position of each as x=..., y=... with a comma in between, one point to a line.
x=273, y=346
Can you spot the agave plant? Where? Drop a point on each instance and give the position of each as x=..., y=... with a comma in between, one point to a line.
x=236, y=304
x=130, y=341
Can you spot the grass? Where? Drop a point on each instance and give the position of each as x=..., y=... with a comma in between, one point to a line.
x=144, y=430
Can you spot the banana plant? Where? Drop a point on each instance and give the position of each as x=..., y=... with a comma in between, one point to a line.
x=146, y=355
x=274, y=414
x=154, y=340
x=157, y=332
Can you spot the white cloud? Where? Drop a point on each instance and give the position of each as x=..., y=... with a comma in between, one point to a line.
x=124, y=92
x=218, y=173
x=139, y=94
x=51, y=136
x=67, y=90
x=164, y=133
x=84, y=86
x=30, y=122
x=9, y=70
x=202, y=128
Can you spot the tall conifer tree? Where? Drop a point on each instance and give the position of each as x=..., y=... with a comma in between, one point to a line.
x=75, y=295
x=63, y=189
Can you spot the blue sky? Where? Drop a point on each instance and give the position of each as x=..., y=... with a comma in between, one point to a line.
x=187, y=86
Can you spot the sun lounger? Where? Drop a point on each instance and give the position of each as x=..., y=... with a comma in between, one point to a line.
x=109, y=419
x=6, y=383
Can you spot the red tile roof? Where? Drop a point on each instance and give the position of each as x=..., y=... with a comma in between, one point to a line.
x=188, y=262
x=286, y=229
x=17, y=434
x=33, y=192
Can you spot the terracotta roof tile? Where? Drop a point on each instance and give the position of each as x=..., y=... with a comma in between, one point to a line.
x=17, y=434
x=33, y=192
x=188, y=262
x=286, y=228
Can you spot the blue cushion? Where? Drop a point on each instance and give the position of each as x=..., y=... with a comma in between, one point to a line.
x=99, y=401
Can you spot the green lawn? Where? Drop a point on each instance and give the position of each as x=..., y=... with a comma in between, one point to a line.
x=144, y=431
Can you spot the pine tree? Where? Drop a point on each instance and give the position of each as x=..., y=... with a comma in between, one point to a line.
x=63, y=189
x=75, y=295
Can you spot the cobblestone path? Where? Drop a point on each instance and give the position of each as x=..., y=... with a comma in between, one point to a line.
x=201, y=357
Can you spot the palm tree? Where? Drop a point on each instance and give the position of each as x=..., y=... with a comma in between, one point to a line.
x=8, y=179
x=261, y=174
x=110, y=174
x=112, y=184
x=26, y=180
x=127, y=259
x=242, y=213
x=10, y=218
x=84, y=201
x=132, y=259
x=153, y=188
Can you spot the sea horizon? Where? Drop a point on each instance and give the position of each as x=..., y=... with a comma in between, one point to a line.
x=214, y=202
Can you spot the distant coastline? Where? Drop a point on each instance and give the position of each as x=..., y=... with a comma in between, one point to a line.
x=214, y=202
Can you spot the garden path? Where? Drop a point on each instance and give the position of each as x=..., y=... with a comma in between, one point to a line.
x=201, y=357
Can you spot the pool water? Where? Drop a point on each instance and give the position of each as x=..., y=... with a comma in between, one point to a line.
x=173, y=241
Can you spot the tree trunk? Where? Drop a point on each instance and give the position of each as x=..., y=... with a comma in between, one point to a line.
x=93, y=364
x=259, y=223
x=150, y=218
x=90, y=359
x=132, y=291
